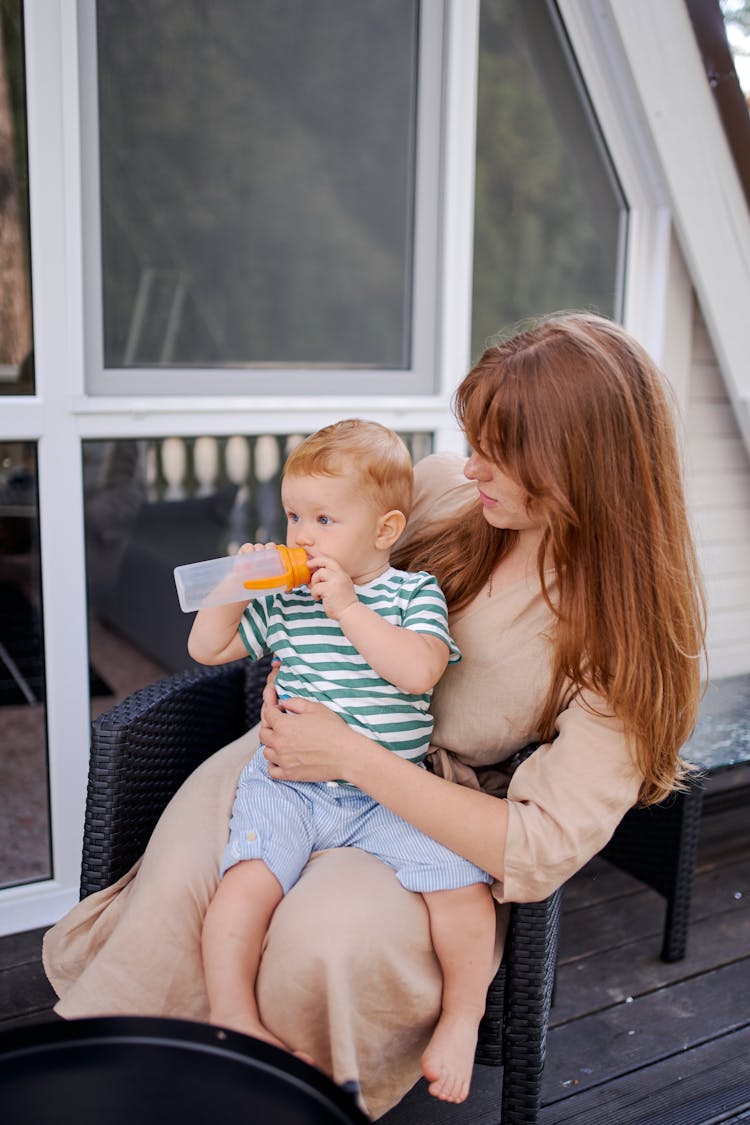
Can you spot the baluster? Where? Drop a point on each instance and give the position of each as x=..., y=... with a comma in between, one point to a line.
x=206, y=465
x=174, y=459
x=158, y=478
x=233, y=470
x=267, y=466
x=252, y=518
x=224, y=474
x=189, y=478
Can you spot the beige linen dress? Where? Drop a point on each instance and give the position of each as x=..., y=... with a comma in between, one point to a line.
x=348, y=971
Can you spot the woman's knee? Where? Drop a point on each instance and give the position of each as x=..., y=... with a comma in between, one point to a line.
x=346, y=908
x=349, y=952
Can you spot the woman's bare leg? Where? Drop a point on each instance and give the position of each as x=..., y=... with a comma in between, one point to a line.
x=234, y=930
x=462, y=923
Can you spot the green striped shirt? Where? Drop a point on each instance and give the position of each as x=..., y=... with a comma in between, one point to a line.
x=318, y=662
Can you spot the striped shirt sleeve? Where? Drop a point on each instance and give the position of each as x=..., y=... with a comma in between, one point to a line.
x=427, y=612
x=254, y=628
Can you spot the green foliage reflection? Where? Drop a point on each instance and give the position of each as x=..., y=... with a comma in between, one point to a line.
x=548, y=209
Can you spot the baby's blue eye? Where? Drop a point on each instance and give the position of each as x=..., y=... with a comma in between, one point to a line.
x=292, y=517
x=325, y=520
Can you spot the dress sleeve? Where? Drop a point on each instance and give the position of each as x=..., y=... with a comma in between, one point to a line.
x=566, y=800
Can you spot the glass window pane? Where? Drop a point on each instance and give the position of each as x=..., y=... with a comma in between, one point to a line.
x=549, y=219
x=257, y=171
x=24, y=805
x=736, y=15
x=152, y=505
x=16, y=357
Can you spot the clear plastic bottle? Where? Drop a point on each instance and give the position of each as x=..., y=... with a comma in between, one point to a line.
x=237, y=578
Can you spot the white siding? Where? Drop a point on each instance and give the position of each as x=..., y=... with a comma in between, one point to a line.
x=718, y=486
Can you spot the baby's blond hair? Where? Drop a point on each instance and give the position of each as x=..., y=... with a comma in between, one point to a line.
x=371, y=454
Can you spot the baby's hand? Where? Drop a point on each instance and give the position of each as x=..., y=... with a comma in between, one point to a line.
x=243, y=550
x=331, y=585
x=245, y=569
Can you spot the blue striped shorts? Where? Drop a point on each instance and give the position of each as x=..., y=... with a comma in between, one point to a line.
x=283, y=822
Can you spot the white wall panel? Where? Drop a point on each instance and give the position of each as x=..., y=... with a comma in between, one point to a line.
x=718, y=485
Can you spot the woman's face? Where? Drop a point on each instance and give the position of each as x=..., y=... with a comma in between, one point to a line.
x=505, y=503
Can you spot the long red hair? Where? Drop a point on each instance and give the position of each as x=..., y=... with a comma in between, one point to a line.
x=574, y=409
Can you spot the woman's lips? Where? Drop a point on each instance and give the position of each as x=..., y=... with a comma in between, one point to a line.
x=485, y=499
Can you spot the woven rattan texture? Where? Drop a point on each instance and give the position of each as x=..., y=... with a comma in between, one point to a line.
x=658, y=845
x=531, y=963
x=141, y=751
x=256, y=674
x=513, y=1032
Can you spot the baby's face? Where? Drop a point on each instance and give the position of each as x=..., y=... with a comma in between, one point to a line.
x=330, y=516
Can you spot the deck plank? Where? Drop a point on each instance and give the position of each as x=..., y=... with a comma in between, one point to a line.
x=641, y=912
x=21, y=949
x=610, y=976
x=24, y=991
x=688, y=1059
x=698, y=1085
x=628, y=1036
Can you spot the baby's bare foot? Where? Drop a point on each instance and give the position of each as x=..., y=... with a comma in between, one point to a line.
x=448, y=1059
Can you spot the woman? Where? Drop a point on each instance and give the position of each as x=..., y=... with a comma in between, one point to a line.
x=564, y=550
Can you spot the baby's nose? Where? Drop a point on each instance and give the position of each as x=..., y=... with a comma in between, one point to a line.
x=303, y=537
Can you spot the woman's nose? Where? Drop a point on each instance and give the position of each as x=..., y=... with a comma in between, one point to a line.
x=474, y=469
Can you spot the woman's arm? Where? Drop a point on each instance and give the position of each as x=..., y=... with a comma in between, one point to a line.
x=563, y=804
x=470, y=822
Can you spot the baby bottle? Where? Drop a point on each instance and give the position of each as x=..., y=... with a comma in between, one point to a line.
x=237, y=578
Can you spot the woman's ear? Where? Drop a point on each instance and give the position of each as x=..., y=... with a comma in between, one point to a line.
x=390, y=527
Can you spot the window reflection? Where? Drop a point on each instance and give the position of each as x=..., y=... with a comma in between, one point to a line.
x=24, y=816
x=549, y=218
x=152, y=505
x=16, y=360
x=257, y=171
x=736, y=14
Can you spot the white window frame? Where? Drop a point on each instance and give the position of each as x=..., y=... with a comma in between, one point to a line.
x=417, y=376
x=711, y=216
x=46, y=418
x=606, y=73
x=63, y=413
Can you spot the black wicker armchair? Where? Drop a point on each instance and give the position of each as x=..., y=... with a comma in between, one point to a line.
x=142, y=750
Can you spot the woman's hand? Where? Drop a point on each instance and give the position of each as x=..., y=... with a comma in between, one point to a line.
x=305, y=741
x=270, y=695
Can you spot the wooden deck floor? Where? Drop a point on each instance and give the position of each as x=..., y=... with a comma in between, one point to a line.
x=633, y=1041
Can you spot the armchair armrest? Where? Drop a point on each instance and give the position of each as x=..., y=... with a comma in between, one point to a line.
x=513, y=1031
x=143, y=748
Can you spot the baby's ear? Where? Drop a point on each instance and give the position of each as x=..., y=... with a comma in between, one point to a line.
x=390, y=527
